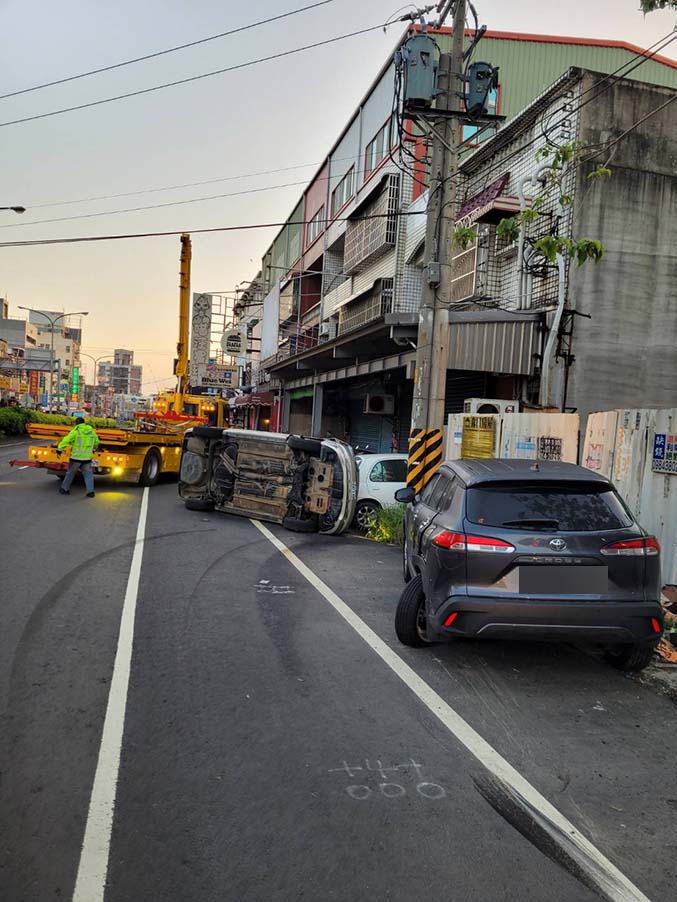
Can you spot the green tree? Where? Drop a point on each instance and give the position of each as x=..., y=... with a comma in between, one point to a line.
x=649, y=6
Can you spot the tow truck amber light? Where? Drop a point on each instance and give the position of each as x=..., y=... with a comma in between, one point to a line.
x=655, y=625
x=457, y=541
x=639, y=547
x=450, y=619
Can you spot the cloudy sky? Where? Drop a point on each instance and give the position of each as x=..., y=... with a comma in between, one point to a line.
x=277, y=114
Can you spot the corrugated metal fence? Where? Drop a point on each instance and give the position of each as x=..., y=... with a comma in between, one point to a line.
x=637, y=449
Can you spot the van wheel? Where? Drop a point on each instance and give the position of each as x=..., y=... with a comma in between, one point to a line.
x=630, y=658
x=152, y=465
x=410, y=616
x=198, y=504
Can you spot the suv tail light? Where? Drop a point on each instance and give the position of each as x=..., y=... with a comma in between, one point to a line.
x=458, y=541
x=642, y=547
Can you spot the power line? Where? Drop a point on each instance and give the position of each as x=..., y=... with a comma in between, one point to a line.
x=227, y=178
x=175, y=203
x=148, y=56
x=192, y=78
x=234, y=228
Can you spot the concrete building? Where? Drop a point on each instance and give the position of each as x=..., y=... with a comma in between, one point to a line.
x=340, y=292
x=592, y=337
x=122, y=375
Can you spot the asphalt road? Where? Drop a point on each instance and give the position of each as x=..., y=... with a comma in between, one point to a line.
x=268, y=752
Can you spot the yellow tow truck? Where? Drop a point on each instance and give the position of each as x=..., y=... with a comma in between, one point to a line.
x=153, y=446
x=140, y=455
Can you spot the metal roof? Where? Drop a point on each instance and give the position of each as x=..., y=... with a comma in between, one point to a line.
x=476, y=472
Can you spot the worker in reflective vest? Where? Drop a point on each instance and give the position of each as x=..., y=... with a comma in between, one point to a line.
x=83, y=441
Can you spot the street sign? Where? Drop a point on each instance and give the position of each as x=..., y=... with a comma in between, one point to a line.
x=231, y=342
x=217, y=376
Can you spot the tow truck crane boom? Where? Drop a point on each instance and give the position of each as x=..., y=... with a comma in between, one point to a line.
x=184, y=307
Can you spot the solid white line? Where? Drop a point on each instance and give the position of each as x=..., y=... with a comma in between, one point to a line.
x=90, y=883
x=612, y=882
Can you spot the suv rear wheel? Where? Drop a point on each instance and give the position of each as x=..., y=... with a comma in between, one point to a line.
x=630, y=658
x=410, y=616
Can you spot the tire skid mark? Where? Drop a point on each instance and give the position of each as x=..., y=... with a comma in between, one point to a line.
x=548, y=837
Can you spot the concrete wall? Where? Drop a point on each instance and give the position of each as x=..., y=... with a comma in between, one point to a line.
x=626, y=354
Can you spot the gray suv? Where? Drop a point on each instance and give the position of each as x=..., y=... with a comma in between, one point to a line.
x=521, y=549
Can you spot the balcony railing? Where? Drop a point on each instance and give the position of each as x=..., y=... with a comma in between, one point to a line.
x=367, y=310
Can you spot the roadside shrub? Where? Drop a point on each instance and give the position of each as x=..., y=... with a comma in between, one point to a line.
x=388, y=525
x=13, y=420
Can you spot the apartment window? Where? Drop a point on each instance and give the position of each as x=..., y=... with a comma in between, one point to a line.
x=315, y=226
x=68, y=363
x=342, y=192
x=379, y=147
x=68, y=347
x=470, y=132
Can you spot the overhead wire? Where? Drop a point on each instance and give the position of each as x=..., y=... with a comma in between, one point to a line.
x=174, y=203
x=192, y=78
x=149, y=56
x=227, y=178
x=81, y=239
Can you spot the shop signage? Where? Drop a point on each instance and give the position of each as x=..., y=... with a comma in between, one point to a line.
x=215, y=375
x=231, y=342
x=664, y=453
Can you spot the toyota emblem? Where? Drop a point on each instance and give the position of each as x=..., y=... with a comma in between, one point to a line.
x=558, y=544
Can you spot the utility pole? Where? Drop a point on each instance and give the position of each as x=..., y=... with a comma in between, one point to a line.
x=432, y=351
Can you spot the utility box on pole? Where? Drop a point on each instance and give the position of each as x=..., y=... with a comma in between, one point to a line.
x=421, y=58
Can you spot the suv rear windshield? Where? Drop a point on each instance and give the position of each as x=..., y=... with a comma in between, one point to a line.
x=574, y=507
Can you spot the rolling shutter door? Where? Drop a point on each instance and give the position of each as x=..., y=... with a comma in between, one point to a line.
x=461, y=386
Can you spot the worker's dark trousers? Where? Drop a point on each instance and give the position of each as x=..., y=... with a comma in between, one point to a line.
x=73, y=467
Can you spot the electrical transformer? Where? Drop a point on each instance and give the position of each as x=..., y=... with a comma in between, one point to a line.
x=421, y=60
x=480, y=79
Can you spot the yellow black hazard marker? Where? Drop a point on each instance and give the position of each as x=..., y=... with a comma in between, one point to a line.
x=425, y=456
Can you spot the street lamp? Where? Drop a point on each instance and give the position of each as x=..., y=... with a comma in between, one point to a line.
x=14, y=209
x=52, y=320
x=95, y=360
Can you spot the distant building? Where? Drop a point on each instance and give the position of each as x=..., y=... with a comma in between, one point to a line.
x=121, y=375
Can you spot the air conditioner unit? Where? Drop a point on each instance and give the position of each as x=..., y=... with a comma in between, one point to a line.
x=383, y=404
x=490, y=405
x=327, y=330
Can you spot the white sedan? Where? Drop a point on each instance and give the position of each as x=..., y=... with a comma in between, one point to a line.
x=381, y=475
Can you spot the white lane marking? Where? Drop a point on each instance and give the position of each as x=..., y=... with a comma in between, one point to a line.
x=612, y=882
x=90, y=883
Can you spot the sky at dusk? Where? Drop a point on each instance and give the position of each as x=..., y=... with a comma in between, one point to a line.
x=277, y=114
